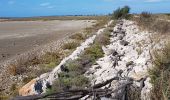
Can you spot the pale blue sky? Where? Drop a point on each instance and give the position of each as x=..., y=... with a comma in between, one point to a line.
x=25, y=8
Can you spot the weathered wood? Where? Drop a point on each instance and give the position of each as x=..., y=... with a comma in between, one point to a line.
x=77, y=94
x=105, y=83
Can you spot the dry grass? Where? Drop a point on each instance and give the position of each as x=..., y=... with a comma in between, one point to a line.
x=148, y=21
x=104, y=38
x=70, y=45
x=77, y=36
x=15, y=69
x=160, y=74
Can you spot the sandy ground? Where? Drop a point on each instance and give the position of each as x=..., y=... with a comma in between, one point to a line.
x=17, y=37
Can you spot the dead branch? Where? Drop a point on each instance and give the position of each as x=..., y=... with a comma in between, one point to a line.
x=76, y=94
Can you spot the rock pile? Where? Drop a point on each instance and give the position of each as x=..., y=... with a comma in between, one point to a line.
x=123, y=58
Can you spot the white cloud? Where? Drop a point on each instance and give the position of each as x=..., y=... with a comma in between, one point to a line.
x=153, y=0
x=11, y=2
x=108, y=0
x=136, y=0
x=45, y=4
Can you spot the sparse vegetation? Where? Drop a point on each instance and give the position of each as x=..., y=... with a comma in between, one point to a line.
x=148, y=21
x=72, y=76
x=160, y=74
x=71, y=79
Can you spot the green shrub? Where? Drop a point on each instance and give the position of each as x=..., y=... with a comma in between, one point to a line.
x=74, y=81
x=75, y=66
x=95, y=51
x=121, y=13
x=70, y=45
x=160, y=74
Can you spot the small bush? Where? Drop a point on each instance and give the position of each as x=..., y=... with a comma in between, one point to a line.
x=74, y=78
x=70, y=82
x=71, y=45
x=145, y=15
x=121, y=13
x=95, y=51
x=160, y=74
x=75, y=66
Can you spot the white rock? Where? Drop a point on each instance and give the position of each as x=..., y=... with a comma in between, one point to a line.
x=145, y=93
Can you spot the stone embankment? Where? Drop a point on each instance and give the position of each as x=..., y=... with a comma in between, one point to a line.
x=128, y=57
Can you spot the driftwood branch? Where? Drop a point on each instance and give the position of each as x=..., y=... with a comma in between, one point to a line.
x=76, y=94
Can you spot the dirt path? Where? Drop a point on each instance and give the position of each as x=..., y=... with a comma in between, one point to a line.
x=17, y=37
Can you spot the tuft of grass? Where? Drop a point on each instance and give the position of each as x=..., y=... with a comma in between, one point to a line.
x=139, y=50
x=14, y=88
x=70, y=45
x=77, y=36
x=160, y=74
x=14, y=69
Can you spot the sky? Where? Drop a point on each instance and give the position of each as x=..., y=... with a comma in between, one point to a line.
x=28, y=8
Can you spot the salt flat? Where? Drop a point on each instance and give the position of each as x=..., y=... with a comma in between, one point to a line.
x=17, y=37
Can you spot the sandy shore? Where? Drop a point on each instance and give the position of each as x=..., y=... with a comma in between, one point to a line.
x=17, y=37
